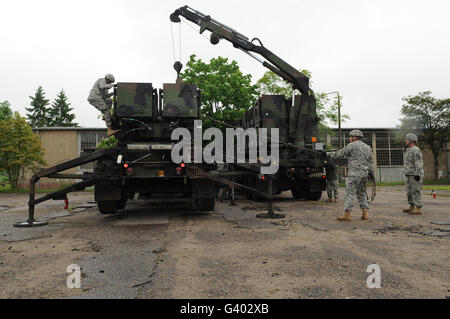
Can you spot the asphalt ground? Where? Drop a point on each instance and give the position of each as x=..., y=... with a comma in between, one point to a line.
x=161, y=249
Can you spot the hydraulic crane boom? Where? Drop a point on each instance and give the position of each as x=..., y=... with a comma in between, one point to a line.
x=221, y=31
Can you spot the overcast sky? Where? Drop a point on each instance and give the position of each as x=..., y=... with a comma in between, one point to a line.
x=372, y=52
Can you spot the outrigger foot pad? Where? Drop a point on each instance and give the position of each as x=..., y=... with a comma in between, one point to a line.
x=271, y=216
x=32, y=223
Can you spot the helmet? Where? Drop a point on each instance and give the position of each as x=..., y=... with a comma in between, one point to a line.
x=411, y=137
x=356, y=133
x=110, y=77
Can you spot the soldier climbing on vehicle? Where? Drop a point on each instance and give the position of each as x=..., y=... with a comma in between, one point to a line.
x=360, y=168
x=101, y=99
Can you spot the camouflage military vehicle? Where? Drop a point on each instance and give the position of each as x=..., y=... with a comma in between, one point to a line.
x=142, y=162
x=301, y=169
x=302, y=160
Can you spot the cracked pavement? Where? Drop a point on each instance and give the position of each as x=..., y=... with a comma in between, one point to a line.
x=158, y=249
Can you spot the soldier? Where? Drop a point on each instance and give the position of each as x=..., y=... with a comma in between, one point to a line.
x=413, y=174
x=101, y=99
x=360, y=167
x=332, y=182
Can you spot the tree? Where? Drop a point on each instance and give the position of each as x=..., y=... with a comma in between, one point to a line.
x=20, y=149
x=59, y=112
x=271, y=83
x=226, y=92
x=5, y=111
x=38, y=115
x=107, y=142
x=429, y=118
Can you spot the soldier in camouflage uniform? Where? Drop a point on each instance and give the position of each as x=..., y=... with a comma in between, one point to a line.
x=360, y=167
x=101, y=99
x=332, y=182
x=413, y=174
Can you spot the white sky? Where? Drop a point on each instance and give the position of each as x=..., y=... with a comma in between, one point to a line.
x=374, y=52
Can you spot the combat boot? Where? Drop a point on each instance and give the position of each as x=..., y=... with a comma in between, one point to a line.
x=365, y=214
x=346, y=216
x=111, y=131
x=416, y=211
x=329, y=200
x=335, y=200
x=409, y=210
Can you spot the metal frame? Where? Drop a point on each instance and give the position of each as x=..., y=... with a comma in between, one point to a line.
x=52, y=172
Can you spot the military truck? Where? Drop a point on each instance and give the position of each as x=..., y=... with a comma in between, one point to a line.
x=142, y=165
x=302, y=160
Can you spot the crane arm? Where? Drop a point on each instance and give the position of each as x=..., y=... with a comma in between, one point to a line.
x=221, y=31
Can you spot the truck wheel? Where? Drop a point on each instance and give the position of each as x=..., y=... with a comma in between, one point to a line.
x=298, y=194
x=107, y=207
x=120, y=204
x=206, y=204
x=314, y=196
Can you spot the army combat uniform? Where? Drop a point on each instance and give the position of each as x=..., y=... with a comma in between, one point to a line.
x=360, y=163
x=101, y=99
x=414, y=167
x=332, y=182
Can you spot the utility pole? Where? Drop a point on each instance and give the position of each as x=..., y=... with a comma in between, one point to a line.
x=339, y=120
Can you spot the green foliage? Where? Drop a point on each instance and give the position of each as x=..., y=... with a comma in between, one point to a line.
x=59, y=112
x=20, y=149
x=226, y=92
x=429, y=118
x=273, y=84
x=108, y=142
x=5, y=111
x=38, y=115
x=327, y=106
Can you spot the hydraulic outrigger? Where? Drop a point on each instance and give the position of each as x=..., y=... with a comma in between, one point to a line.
x=52, y=172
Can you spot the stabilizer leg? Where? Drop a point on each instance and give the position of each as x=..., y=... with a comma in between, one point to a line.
x=31, y=222
x=270, y=213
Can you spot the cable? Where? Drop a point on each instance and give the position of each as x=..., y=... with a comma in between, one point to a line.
x=179, y=31
x=190, y=26
x=173, y=42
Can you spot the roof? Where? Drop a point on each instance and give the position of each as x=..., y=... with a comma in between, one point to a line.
x=69, y=128
x=368, y=128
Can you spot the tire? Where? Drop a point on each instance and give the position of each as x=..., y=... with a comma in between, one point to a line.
x=314, y=196
x=107, y=207
x=206, y=204
x=297, y=194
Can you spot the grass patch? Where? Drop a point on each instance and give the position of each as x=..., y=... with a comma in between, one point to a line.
x=442, y=184
x=7, y=189
x=438, y=187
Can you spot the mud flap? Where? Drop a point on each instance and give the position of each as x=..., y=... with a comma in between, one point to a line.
x=203, y=188
x=108, y=190
x=317, y=184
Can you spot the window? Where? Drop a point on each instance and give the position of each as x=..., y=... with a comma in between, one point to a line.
x=88, y=142
x=389, y=149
